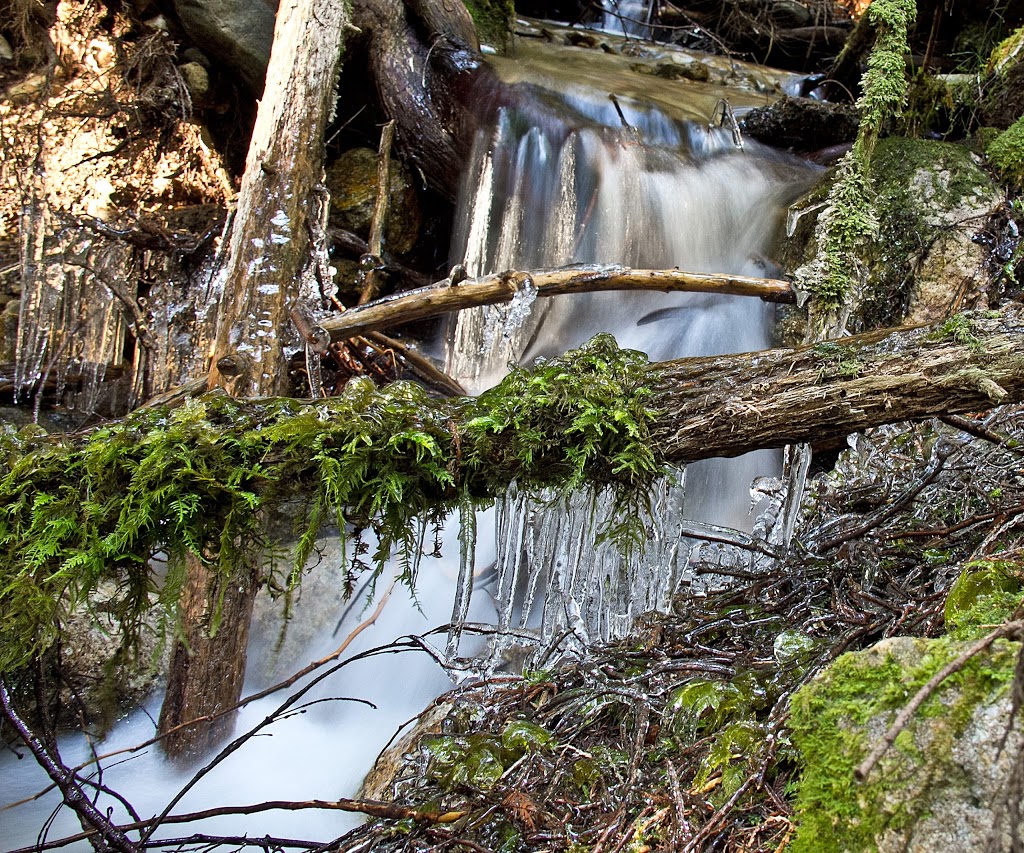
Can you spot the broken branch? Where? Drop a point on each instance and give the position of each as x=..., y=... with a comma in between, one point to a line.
x=444, y=297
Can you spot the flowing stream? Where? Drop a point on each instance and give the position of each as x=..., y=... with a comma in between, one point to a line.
x=563, y=174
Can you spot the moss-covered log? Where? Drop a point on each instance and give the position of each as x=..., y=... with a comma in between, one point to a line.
x=197, y=481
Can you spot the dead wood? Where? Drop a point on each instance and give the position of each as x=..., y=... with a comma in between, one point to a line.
x=275, y=216
x=452, y=295
x=728, y=405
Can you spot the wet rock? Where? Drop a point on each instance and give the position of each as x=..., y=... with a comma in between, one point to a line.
x=942, y=785
x=106, y=677
x=393, y=762
x=802, y=124
x=352, y=181
x=238, y=32
x=197, y=80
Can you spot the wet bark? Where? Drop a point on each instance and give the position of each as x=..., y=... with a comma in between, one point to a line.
x=729, y=405
x=454, y=295
x=207, y=666
x=424, y=61
x=269, y=246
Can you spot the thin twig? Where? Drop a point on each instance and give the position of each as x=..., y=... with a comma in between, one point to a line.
x=65, y=779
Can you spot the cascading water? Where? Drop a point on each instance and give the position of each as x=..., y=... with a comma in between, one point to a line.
x=641, y=189
x=561, y=178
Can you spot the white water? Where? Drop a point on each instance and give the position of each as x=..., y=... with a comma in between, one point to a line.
x=543, y=194
x=542, y=191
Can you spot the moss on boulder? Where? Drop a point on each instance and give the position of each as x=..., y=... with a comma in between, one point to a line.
x=929, y=200
x=939, y=786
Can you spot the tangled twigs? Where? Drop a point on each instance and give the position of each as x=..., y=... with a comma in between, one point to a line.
x=65, y=780
x=1013, y=629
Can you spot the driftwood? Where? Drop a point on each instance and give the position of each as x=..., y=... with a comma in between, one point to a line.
x=455, y=295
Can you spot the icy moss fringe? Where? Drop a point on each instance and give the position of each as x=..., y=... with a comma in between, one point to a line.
x=80, y=511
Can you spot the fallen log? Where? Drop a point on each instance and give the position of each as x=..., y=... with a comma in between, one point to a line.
x=726, y=406
x=207, y=475
x=455, y=295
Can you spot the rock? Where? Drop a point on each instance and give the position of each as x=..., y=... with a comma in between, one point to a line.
x=944, y=781
x=106, y=678
x=238, y=32
x=9, y=331
x=802, y=124
x=393, y=763
x=352, y=181
x=197, y=80
x=931, y=199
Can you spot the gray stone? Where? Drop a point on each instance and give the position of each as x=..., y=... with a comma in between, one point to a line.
x=238, y=33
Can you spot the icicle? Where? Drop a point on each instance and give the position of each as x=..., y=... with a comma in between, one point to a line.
x=467, y=565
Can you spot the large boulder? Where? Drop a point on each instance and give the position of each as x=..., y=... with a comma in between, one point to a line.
x=237, y=33
x=931, y=201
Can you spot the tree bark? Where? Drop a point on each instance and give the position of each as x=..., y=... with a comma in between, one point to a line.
x=207, y=667
x=453, y=295
x=726, y=406
x=269, y=247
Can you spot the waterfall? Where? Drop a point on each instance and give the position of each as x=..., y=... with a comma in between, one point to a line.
x=649, y=191
x=563, y=175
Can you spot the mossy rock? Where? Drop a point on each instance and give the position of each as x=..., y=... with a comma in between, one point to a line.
x=930, y=199
x=495, y=21
x=352, y=182
x=938, y=787
x=1006, y=153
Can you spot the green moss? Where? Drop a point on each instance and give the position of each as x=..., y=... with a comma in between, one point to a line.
x=849, y=221
x=838, y=361
x=1007, y=52
x=1006, y=153
x=478, y=761
x=838, y=717
x=986, y=593
x=203, y=479
x=959, y=330
x=884, y=83
x=494, y=21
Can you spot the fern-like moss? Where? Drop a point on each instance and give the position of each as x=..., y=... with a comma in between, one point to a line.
x=203, y=479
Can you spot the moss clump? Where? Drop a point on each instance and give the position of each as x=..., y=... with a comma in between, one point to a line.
x=1006, y=154
x=203, y=479
x=984, y=594
x=848, y=220
x=494, y=21
x=838, y=717
x=884, y=83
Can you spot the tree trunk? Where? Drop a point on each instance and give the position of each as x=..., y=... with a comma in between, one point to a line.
x=729, y=405
x=268, y=250
x=207, y=667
